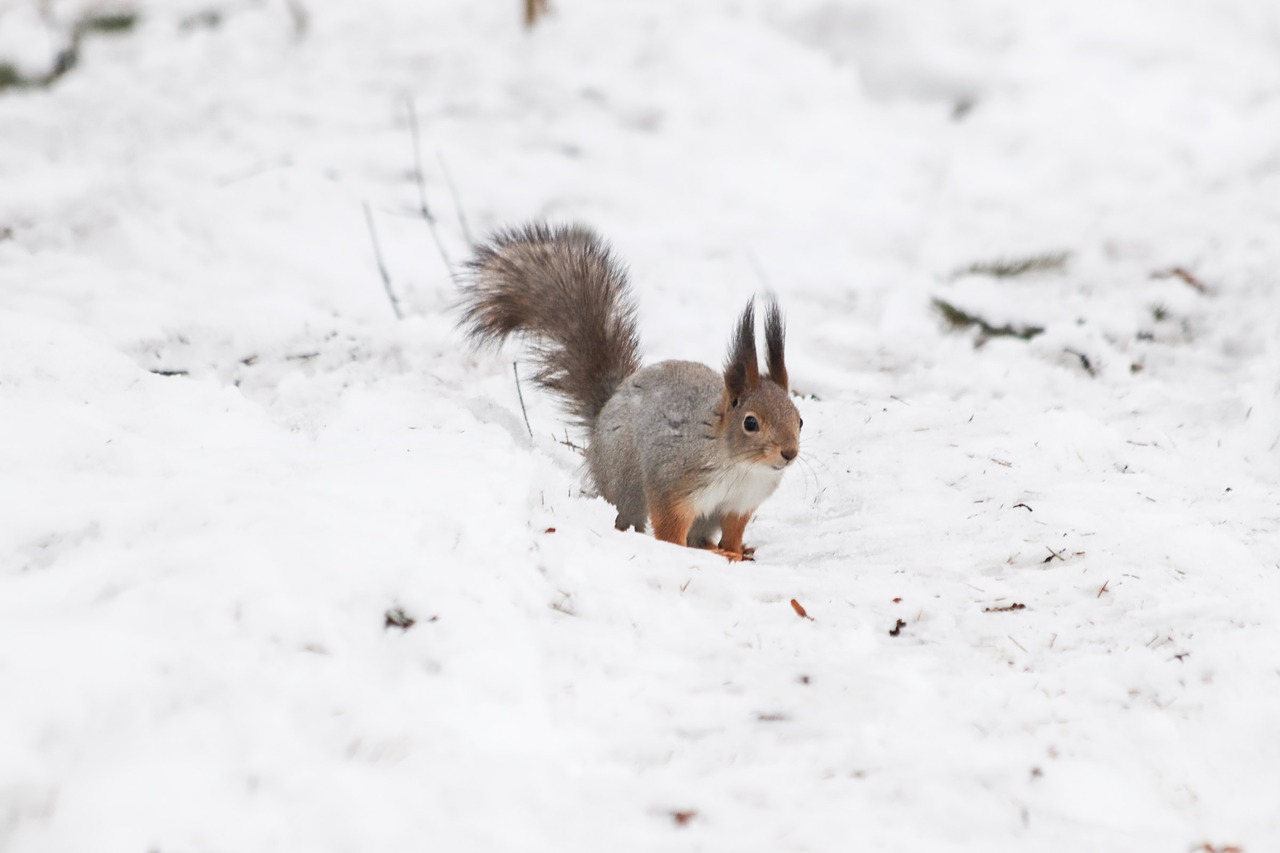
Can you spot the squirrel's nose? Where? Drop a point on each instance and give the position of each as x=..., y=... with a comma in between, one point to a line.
x=790, y=453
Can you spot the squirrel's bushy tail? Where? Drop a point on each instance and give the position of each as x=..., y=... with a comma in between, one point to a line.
x=561, y=288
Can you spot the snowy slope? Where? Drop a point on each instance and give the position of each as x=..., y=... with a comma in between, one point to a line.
x=1043, y=574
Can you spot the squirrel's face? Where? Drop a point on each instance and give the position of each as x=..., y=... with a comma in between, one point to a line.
x=763, y=427
x=761, y=423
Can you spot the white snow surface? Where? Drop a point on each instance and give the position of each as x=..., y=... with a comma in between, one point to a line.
x=195, y=568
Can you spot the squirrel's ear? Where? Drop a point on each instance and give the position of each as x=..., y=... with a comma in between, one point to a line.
x=742, y=371
x=775, y=337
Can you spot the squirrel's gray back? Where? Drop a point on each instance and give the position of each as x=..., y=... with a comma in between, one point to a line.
x=658, y=432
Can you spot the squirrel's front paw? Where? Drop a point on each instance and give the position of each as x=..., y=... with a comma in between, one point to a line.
x=734, y=556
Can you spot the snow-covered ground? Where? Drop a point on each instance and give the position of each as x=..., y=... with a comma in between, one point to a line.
x=1043, y=574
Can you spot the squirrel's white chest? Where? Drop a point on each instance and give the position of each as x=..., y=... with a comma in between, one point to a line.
x=739, y=489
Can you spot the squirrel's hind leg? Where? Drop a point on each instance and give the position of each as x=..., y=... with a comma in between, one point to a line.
x=626, y=521
x=619, y=481
x=631, y=510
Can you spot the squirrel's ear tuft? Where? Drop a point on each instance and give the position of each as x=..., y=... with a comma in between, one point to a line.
x=775, y=338
x=742, y=371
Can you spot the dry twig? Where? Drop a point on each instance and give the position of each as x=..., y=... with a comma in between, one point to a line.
x=422, y=189
x=382, y=267
x=515, y=368
x=533, y=9
x=1183, y=275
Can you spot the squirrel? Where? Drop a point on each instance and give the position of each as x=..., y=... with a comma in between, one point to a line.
x=693, y=449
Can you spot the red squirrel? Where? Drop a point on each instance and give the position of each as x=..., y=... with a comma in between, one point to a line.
x=691, y=449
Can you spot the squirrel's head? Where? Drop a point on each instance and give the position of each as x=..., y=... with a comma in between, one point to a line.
x=760, y=421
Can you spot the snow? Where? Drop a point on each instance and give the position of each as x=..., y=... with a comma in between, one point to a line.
x=195, y=568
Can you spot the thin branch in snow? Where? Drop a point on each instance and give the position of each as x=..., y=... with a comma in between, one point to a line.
x=569, y=444
x=422, y=187
x=1085, y=361
x=382, y=268
x=1183, y=275
x=533, y=9
x=457, y=202
x=515, y=368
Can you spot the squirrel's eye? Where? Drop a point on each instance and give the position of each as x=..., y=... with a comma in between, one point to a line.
x=750, y=424
x=802, y=423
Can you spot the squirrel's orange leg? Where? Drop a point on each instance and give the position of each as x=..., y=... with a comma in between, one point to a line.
x=732, y=527
x=672, y=521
